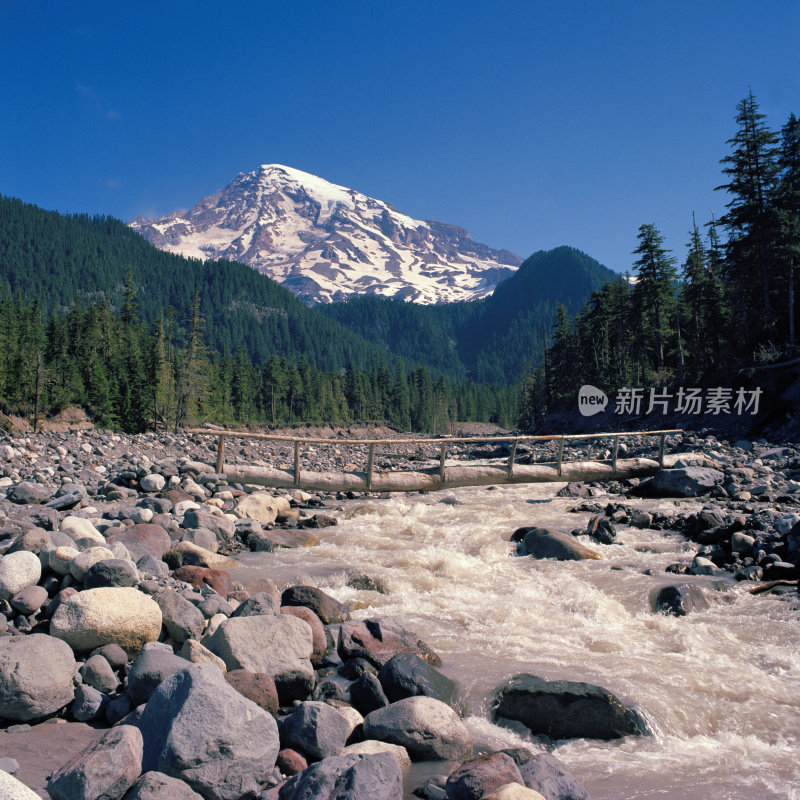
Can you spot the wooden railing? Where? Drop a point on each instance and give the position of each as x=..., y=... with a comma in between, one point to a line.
x=443, y=444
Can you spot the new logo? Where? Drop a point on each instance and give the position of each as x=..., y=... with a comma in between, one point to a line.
x=591, y=400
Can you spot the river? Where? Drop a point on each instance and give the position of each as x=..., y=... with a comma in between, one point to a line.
x=720, y=688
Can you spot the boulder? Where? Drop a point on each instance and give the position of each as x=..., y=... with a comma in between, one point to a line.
x=261, y=506
x=97, y=672
x=29, y=493
x=479, y=776
x=107, y=615
x=81, y=530
x=202, y=537
x=113, y=572
x=150, y=668
x=86, y=559
x=565, y=709
x=199, y=729
x=550, y=777
x=290, y=762
x=329, y=610
x=377, y=640
x=427, y=728
x=88, y=703
x=157, y=786
x=683, y=482
x=407, y=675
x=152, y=483
x=182, y=619
x=259, y=603
x=366, y=693
x=546, y=543
x=195, y=652
x=352, y=777
x=18, y=571
x=218, y=579
x=255, y=686
x=144, y=539
x=35, y=676
x=515, y=791
x=316, y=729
x=106, y=769
x=193, y=555
x=30, y=600
x=59, y=560
x=318, y=637
x=279, y=645
x=12, y=789
x=372, y=746
x=680, y=599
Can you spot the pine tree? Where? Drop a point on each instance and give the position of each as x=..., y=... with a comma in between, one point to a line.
x=752, y=170
x=654, y=301
x=787, y=202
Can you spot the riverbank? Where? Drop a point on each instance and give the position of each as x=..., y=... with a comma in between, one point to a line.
x=121, y=478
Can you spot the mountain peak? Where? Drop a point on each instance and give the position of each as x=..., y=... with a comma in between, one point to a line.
x=326, y=242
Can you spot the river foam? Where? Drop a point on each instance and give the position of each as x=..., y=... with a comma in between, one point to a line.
x=720, y=688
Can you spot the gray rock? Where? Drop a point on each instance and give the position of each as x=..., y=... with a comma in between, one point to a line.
x=683, y=482
x=378, y=639
x=546, y=543
x=480, y=776
x=351, y=777
x=201, y=730
x=328, y=609
x=316, y=729
x=97, y=672
x=427, y=728
x=279, y=645
x=565, y=709
x=202, y=537
x=111, y=572
x=35, y=676
x=103, y=771
x=546, y=774
x=366, y=694
x=142, y=540
x=112, y=653
x=29, y=600
x=150, y=668
x=29, y=493
x=182, y=619
x=741, y=542
x=680, y=599
x=407, y=675
x=88, y=703
x=152, y=483
x=223, y=529
x=259, y=603
x=157, y=786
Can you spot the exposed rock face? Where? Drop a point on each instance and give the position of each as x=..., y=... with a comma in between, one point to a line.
x=35, y=676
x=325, y=242
x=201, y=730
x=566, y=709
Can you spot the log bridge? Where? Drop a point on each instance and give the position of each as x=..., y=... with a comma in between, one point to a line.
x=443, y=476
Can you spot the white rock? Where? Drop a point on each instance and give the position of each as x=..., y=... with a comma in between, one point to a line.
x=59, y=560
x=12, y=789
x=183, y=506
x=372, y=746
x=81, y=530
x=261, y=506
x=107, y=615
x=152, y=482
x=514, y=791
x=18, y=571
x=193, y=651
x=353, y=717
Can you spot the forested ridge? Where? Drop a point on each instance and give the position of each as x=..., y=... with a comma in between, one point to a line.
x=728, y=305
x=93, y=315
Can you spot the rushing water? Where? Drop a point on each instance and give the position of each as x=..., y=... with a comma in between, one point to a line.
x=720, y=688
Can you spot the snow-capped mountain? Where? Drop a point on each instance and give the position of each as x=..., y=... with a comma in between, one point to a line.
x=326, y=242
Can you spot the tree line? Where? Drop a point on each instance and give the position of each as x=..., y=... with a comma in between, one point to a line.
x=732, y=304
x=133, y=376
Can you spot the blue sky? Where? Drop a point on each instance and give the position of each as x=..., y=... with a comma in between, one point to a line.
x=531, y=124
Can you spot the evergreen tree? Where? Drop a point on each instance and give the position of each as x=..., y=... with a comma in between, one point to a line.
x=752, y=169
x=787, y=202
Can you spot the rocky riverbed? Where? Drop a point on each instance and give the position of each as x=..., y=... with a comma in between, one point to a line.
x=124, y=625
